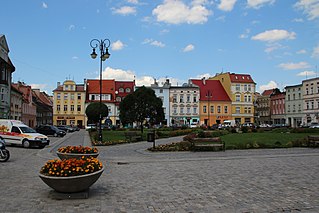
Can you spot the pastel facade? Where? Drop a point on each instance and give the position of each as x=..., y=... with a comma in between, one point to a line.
x=294, y=105
x=184, y=105
x=69, y=104
x=310, y=101
x=214, y=102
x=241, y=89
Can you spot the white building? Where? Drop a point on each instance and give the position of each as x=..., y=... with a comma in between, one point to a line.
x=294, y=105
x=310, y=101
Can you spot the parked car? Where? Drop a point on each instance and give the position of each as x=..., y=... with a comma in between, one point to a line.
x=264, y=125
x=90, y=126
x=66, y=128
x=50, y=130
x=251, y=125
x=314, y=126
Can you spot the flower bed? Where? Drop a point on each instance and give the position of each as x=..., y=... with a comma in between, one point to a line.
x=78, y=149
x=71, y=167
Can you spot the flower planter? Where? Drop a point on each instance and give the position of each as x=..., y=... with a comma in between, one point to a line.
x=63, y=155
x=73, y=183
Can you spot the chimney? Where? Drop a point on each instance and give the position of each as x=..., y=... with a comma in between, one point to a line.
x=204, y=80
x=59, y=83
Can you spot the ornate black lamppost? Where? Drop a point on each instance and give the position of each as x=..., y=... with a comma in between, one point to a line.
x=104, y=54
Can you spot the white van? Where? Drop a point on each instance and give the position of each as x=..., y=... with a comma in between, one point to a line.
x=16, y=132
x=229, y=123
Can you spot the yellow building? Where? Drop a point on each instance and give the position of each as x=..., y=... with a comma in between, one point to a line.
x=69, y=104
x=241, y=89
x=214, y=102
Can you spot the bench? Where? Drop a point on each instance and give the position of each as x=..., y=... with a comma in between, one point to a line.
x=208, y=144
x=313, y=140
x=133, y=136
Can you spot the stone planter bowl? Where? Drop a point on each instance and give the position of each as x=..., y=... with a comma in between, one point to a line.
x=63, y=155
x=73, y=183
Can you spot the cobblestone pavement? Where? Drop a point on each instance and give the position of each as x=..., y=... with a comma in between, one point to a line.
x=134, y=180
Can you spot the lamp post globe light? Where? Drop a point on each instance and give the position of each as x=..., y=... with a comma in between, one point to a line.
x=103, y=46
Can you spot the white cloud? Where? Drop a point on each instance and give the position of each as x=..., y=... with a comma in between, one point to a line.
x=226, y=5
x=132, y=1
x=118, y=74
x=71, y=27
x=270, y=85
x=256, y=4
x=125, y=10
x=245, y=35
x=205, y=75
x=153, y=42
x=118, y=45
x=298, y=20
x=315, y=53
x=75, y=58
x=128, y=75
x=301, y=52
x=306, y=73
x=177, y=12
x=274, y=35
x=44, y=5
x=309, y=7
x=272, y=47
x=189, y=48
x=294, y=66
x=39, y=86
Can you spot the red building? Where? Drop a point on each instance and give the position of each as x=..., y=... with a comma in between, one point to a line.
x=277, y=106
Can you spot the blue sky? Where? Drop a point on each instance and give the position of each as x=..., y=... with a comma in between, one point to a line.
x=275, y=41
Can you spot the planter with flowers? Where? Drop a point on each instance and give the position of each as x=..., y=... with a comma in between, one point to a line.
x=71, y=175
x=68, y=152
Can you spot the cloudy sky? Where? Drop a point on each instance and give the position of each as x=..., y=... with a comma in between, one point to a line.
x=275, y=41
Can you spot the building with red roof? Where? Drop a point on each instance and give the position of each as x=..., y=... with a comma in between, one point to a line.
x=214, y=102
x=241, y=89
x=263, y=106
x=44, y=107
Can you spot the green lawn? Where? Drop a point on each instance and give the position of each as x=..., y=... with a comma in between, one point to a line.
x=264, y=140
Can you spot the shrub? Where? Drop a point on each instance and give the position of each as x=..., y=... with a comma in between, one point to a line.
x=244, y=129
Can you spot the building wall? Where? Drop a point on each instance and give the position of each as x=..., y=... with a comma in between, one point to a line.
x=310, y=101
x=184, y=111
x=16, y=105
x=294, y=105
x=213, y=112
x=277, y=106
x=69, y=105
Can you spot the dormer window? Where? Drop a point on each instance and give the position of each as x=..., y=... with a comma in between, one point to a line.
x=121, y=90
x=127, y=90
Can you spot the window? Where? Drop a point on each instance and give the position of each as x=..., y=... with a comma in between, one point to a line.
x=204, y=109
x=188, y=110
x=175, y=110
x=195, y=110
x=58, y=107
x=72, y=96
x=238, y=97
x=312, y=105
x=245, y=87
x=307, y=92
x=225, y=109
x=194, y=99
x=65, y=96
x=288, y=97
x=72, y=87
x=66, y=87
x=118, y=99
x=181, y=98
x=58, y=96
x=237, y=87
x=72, y=108
x=307, y=105
x=188, y=98
x=174, y=98
x=79, y=96
x=311, y=90
x=79, y=108
x=128, y=90
x=218, y=109
x=121, y=90
x=211, y=109
x=245, y=98
x=161, y=90
x=249, y=87
x=237, y=110
x=65, y=107
x=182, y=110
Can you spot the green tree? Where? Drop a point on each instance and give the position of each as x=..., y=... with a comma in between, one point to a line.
x=139, y=105
x=93, y=111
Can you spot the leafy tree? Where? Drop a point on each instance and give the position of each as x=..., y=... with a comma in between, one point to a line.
x=93, y=112
x=139, y=105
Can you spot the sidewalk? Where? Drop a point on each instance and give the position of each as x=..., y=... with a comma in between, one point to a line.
x=135, y=180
